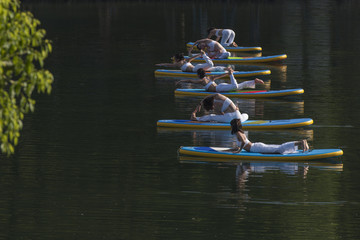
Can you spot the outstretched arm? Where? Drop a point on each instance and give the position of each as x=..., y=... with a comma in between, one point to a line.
x=233, y=150
x=197, y=42
x=230, y=71
x=193, y=57
x=192, y=47
x=197, y=109
x=213, y=78
x=188, y=81
x=166, y=65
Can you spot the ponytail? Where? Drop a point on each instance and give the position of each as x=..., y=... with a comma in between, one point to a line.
x=236, y=126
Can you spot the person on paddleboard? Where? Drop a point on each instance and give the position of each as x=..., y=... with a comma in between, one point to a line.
x=210, y=86
x=212, y=48
x=185, y=65
x=224, y=110
x=258, y=147
x=227, y=36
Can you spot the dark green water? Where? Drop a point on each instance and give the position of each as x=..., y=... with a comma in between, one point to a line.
x=91, y=163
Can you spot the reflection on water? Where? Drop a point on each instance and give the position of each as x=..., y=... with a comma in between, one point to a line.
x=223, y=138
x=248, y=173
x=258, y=167
x=256, y=108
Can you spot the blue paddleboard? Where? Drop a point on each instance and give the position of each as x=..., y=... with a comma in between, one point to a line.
x=178, y=73
x=236, y=60
x=234, y=49
x=218, y=152
x=249, y=124
x=243, y=93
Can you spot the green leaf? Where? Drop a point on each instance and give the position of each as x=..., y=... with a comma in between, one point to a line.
x=23, y=51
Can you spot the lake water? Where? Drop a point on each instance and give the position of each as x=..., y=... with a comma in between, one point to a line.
x=91, y=163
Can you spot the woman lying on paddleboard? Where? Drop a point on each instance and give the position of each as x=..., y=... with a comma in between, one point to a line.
x=210, y=86
x=225, y=110
x=185, y=64
x=258, y=147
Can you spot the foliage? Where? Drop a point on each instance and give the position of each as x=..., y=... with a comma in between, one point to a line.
x=23, y=50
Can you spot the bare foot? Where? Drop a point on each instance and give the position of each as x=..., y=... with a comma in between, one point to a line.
x=229, y=69
x=234, y=44
x=259, y=81
x=305, y=145
x=193, y=117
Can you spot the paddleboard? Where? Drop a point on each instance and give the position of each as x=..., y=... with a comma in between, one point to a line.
x=219, y=152
x=238, y=60
x=249, y=124
x=234, y=49
x=243, y=93
x=178, y=73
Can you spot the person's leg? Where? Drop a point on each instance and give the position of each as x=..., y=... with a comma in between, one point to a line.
x=225, y=118
x=224, y=55
x=231, y=38
x=260, y=147
x=303, y=144
x=225, y=38
x=207, y=65
x=238, y=115
x=284, y=148
x=216, y=69
x=225, y=87
x=249, y=84
x=288, y=147
x=246, y=84
x=213, y=117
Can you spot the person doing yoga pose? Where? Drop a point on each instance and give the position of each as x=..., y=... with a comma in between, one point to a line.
x=185, y=64
x=212, y=48
x=227, y=36
x=209, y=82
x=225, y=110
x=258, y=147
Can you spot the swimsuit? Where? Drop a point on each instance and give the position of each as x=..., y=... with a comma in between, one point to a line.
x=208, y=85
x=185, y=66
x=226, y=103
x=245, y=143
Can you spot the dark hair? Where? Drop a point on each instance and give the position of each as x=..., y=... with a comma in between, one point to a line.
x=210, y=29
x=201, y=73
x=179, y=56
x=236, y=126
x=208, y=103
